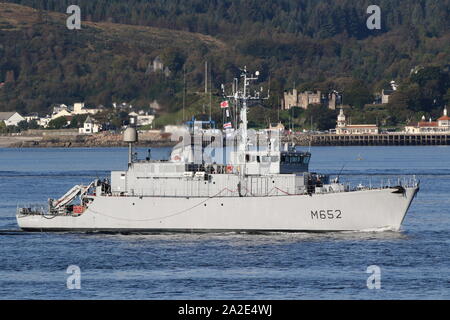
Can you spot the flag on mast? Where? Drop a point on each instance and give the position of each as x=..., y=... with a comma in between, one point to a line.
x=224, y=104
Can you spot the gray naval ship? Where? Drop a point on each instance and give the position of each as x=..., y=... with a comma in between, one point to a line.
x=234, y=179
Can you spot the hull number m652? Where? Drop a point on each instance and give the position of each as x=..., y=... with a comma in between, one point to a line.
x=326, y=214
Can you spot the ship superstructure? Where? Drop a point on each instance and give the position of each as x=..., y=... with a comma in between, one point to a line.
x=232, y=180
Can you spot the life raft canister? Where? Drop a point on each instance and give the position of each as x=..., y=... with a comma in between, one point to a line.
x=78, y=209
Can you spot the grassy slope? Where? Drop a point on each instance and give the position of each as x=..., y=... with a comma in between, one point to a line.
x=16, y=17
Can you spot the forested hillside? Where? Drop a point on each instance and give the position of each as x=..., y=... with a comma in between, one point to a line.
x=224, y=18
x=309, y=43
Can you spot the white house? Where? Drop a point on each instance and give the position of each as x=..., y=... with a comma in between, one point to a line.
x=11, y=118
x=90, y=126
x=43, y=122
x=344, y=128
x=31, y=117
x=143, y=118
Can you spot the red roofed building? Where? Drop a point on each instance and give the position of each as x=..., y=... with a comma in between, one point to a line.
x=442, y=125
x=444, y=121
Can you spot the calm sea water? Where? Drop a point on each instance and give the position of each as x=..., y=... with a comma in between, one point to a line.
x=414, y=263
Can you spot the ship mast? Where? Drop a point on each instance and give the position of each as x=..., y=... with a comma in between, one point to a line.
x=243, y=97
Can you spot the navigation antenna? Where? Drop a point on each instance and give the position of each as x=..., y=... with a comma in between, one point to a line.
x=242, y=97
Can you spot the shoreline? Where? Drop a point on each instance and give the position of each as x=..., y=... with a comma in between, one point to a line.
x=28, y=144
x=8, y=141
x=115, y=141
x=66, y=140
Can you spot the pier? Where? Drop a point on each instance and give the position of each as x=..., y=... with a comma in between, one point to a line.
x=385, y=139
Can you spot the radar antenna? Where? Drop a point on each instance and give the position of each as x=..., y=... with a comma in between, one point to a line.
x=243, y=96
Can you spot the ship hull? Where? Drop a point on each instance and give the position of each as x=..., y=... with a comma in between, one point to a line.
x=367, y=210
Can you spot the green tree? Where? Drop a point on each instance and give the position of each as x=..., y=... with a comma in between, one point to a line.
x=2, y=127
x=77, y=121
x=447, y=97
x=33, y=124
x=173, y=59
x=357, y=95
x=23, y=125
x=321, y=117
x=58, y=123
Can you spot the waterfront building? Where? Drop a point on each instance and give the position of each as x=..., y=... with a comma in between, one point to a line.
x=90, y=126
x=344, y=128
x=441, y=125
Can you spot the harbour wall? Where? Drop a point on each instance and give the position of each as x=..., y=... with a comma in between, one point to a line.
x=387, y=139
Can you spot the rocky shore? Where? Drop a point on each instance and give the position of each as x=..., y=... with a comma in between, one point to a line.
x=8, y=141
x=48, y=139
